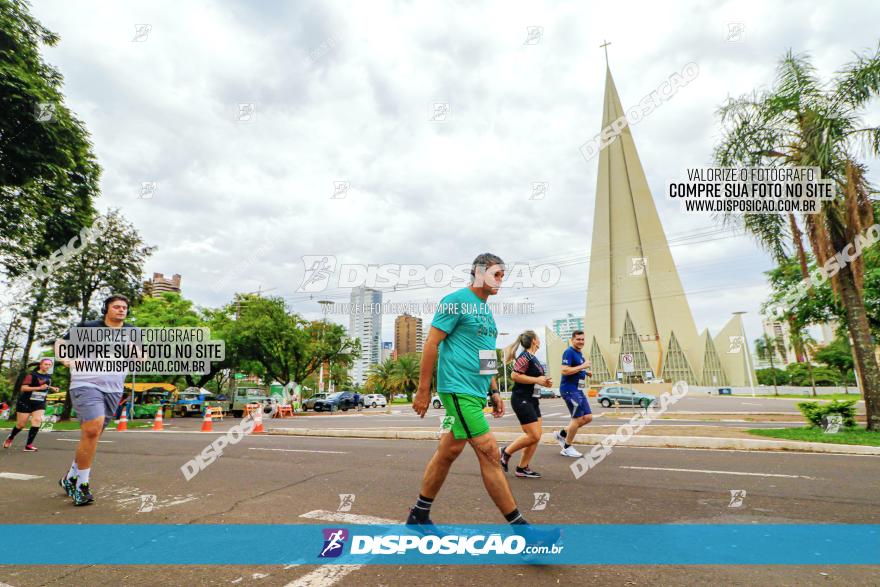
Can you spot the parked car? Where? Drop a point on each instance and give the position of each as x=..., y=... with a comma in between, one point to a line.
x=341, y=400
x=549, y=393
x=309, y=403
x=655, y=380
x=374, y=400
x=627, y=396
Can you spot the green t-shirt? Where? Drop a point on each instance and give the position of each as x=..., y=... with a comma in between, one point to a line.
x=467, y=355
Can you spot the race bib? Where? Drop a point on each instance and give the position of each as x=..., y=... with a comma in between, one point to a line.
x=38, y=396
x=536, y=392
x=582, y=383
x=488, y=362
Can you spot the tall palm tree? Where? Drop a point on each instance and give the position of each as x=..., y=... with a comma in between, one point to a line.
x=802, y=121
x=379, y=379
x=765, y=348
x=405, y=374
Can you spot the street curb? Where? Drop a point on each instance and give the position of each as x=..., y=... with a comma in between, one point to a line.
x=705, y=442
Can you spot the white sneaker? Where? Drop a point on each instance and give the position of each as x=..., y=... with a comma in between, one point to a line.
x=559, y=438
x=570, y=452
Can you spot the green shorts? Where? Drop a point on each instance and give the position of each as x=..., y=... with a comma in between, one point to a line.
x=464, y=415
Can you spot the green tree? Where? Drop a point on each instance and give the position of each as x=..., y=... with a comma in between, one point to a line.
x=765, y=347
x=838, y=356
x=287, y=347
x=772, y=376
x=802, y=121
x=112, y=263
x=405, y=374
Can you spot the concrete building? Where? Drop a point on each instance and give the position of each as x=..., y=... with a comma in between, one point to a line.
x=563, y=327
x=160, y=284
x=387, y=351
x=365, y=324
x=779, y=334
x=408, y=334
x=638, y=321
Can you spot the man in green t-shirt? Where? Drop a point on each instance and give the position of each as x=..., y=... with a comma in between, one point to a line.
x=463, y=332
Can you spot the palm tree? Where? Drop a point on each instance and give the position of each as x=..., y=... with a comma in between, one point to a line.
x=804, y=122
x=766, y=350
x=379, y=379
x=405, y=374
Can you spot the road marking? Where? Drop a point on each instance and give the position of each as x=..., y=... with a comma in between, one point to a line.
x=20, y=476
x=329, y=452
x=327, y=575
x=324, y=576
x=345, y=517
x=77, y=440
x=719, y=472
x=748, y=404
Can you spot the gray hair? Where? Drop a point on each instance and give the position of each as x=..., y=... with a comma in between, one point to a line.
x=483, y=262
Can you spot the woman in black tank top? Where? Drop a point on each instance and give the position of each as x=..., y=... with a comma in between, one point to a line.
x=528, y=373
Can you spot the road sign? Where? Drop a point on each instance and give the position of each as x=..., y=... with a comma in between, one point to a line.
x=627, y=360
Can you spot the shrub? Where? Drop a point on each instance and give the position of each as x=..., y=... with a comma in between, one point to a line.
x=814, y=412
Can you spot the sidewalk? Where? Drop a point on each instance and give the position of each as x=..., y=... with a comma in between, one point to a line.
x=742, y=441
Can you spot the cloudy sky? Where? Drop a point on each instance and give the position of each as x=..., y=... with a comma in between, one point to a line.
x=345, y=93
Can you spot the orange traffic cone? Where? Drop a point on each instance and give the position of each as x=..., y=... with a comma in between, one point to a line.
x=122, y=423
x=207, y=423
x=158, y=423
x=258, y=421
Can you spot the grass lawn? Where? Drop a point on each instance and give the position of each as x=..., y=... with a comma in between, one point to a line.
x=74, y=425
x=399, y=401
x=807, y=397
x=810, y=434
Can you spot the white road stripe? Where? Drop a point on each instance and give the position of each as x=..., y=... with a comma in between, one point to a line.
x=329, y=452
x=20, y=476
x=324, y=576
x=719, y=472
x=346, y=518
x=327, y=575
x=77, y=440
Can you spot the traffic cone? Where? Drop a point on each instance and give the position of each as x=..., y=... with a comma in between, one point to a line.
x=207, y=423
x=122, y=423
x=258, y=421
x=158, y=423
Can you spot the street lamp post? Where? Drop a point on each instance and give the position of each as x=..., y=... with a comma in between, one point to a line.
x=324, y=304
x=504, y=363
x=746, y=350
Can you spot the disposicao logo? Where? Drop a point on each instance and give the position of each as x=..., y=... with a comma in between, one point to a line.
x=334, y=540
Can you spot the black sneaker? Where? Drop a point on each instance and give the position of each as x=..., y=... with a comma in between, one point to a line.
x=528, y=473
x=505, y=458
x=82, y=495
x=413, y=520
x=68, y=484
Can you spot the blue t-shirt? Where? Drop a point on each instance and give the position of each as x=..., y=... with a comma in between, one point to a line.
x=572, y=358
x=467, y=359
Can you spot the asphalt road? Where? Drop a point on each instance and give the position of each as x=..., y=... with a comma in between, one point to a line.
x=279, y=479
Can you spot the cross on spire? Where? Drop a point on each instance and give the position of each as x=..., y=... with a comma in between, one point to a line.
x=605, y=46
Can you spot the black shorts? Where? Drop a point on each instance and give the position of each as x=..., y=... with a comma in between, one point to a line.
x=26, y=406
x=526, y=409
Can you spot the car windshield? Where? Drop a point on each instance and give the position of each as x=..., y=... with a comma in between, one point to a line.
x=336, y=395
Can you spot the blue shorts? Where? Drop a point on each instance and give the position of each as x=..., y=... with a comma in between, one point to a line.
x=91, y=403
x=577, y=403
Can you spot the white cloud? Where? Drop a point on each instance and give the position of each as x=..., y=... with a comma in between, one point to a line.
x=343, y=92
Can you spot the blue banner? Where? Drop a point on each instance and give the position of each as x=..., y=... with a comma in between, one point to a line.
x=310, y=544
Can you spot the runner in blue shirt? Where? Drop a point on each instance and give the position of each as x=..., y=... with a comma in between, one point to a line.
x=574, y=376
